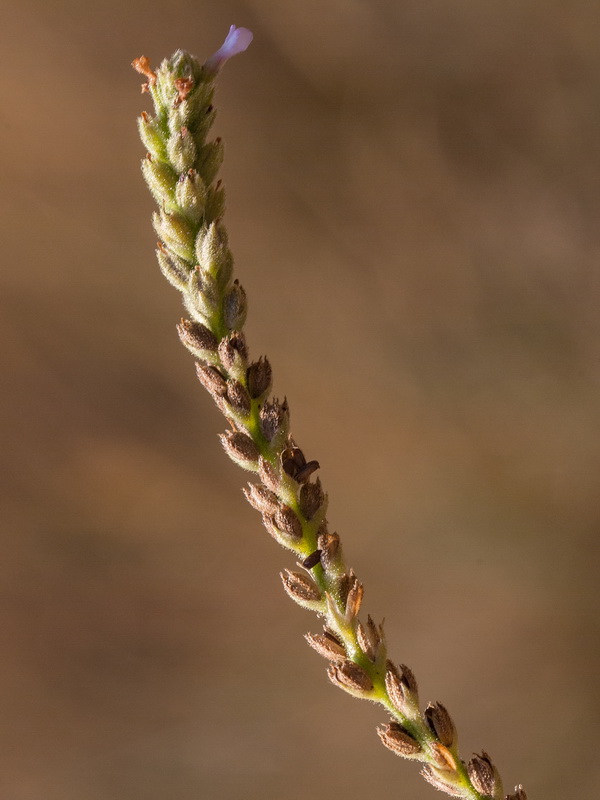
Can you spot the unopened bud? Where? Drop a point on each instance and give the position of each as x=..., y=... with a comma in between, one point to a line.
x=398, y=740
x=350, y=677
x=210, y=159
x=198, y=339
x=240, y=448
x=176, y=233
x=161, y=180
x=326, y=646
x=152, y=138
x=301, y=589
x=213, y=253
x=190, y=195
x=175, y=269
x=440, y=723
x=214, y=207
x=182, y=150
x=258, y=377
x=235, y=307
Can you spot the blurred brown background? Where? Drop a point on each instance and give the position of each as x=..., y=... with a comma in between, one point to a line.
x=414, y=192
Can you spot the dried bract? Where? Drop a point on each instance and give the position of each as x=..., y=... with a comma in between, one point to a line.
x=212, y=380
x=240, y=448
x=326, y=646
x=287, y=521
x=268, y=475
x=329, y=545
x=258, y=377
x=398, y=740
x=349, y=676
x=354, y=597
x=238, y=397
x=301, y=588
x=443, y=780
x=311, y=499
x=261, y=498
x=274, y=419
x=440, y=723
x=198, y=339
x=233, y=352
x=484, y=776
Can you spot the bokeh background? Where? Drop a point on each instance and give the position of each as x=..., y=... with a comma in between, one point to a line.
x=414, y=194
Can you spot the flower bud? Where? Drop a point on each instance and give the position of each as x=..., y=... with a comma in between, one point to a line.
x=210, y=158
x=175, y=269
x=190, y=195
x=235, y=307
x=161, y=180
x=181, y=150
x=151, y=136
x=176, y=233
x=214, y=208
x=213, y=254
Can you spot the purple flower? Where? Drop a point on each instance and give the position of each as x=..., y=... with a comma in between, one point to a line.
x=236, y=41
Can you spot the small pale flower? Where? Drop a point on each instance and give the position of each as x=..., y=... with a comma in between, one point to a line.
x=236, y=41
